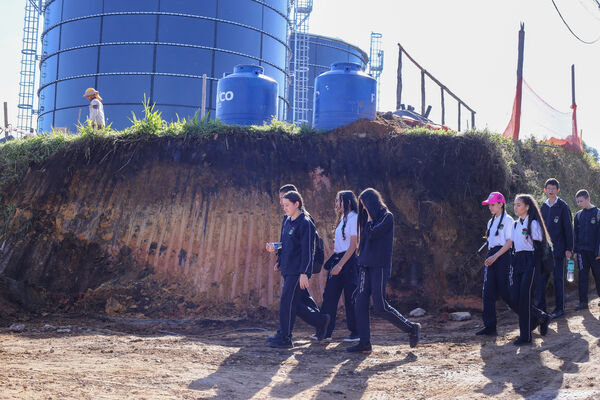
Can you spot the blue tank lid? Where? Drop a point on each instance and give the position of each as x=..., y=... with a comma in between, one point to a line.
x=249, y=68
x=346, y=66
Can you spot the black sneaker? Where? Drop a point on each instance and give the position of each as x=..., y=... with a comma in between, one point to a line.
x=360, y=347
x=415, y=335
x=581, y=306
x=557, y=314
x=521, y=342
x=322, y=331
x=353, y=337
x=544, y=322
x=275, y=337
x=281, y=344
x=487, y=331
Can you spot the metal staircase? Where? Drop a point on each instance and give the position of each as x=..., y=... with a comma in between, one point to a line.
x=300, y=100
x=376, y=61
x=29, y=58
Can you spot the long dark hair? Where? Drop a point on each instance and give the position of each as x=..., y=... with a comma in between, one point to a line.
x=295, y=197
x=374, y=203
x=491, y=222
x=347, y=199
x=534, y=214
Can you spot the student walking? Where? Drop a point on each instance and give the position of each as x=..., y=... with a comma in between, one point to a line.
x=375, y=244
x=295, y=264
x=96, y=107
x=557, y=217
x=496, y=269
x=529, y=234
x=587, y=240
x=305, y=297
x=342, y=266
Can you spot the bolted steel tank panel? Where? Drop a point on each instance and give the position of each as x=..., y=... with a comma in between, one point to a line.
x=128, y=49
x=246, y=97
x=343, y=95
x=324, y=51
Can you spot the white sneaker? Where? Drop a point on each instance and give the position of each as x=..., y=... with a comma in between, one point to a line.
x=352, y=338
x=314, y=337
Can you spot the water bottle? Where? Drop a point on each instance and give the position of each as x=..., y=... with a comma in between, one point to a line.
x=570, y=270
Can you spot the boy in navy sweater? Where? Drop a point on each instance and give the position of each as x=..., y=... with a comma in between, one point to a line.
x=557, y=217
x=587, y=239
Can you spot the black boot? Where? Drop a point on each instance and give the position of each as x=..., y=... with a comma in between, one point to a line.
x=521, y=342
x=415, y=335
x=544, y=322
x=361, y=347
x=487, y=331
x=282, y=343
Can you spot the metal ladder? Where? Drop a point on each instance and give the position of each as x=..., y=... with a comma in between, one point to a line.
x=29, y=58
x=376, y=61
x=300, y=101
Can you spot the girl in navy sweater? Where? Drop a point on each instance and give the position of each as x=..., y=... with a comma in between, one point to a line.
x=375, y=244
x=296, y=264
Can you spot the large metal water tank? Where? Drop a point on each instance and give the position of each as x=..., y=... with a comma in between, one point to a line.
x=343, y=95
x=322, y=52
x=159, y=48
x=247, y=96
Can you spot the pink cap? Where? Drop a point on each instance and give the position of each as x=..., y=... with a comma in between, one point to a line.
x=494, y=197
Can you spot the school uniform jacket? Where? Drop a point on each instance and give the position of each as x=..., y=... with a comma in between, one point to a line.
x=587, y=230
x=377, y=242
x=558, y=223
x=297, y=246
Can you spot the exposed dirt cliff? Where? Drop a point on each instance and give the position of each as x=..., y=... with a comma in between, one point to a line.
x=175, y=225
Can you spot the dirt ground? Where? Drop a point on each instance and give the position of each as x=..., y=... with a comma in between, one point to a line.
x=77, y=357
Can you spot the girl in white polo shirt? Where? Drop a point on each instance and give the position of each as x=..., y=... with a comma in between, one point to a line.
x=529, y=232
x=496, y=269
x=342, y=265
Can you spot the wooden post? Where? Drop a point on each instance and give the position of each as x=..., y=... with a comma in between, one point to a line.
x=399, y=80
x=203, y=110
x=443, y=108
x=473, y=120
x=572, y=85
x=422, y=92
x=5, y=114
x=519, y=82
x=459, y=116
x=574, y=132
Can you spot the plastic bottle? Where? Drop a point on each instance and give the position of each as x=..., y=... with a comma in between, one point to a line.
x=570, y=270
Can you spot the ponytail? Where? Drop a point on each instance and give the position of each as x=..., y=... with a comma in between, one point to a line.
x=491, y=222
x=295, y=197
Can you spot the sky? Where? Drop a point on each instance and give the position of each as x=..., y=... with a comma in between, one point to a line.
x=469, y=45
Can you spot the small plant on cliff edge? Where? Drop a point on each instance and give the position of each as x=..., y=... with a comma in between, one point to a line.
x=89, y=131
x=151, y=124
x=200, y=126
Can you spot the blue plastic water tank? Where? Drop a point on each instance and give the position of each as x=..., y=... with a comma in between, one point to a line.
x=343, y=95
x=158, y=48
x=247, y=96
x=322, y=52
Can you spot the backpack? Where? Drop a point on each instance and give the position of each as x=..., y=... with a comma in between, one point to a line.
x=319, y=255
